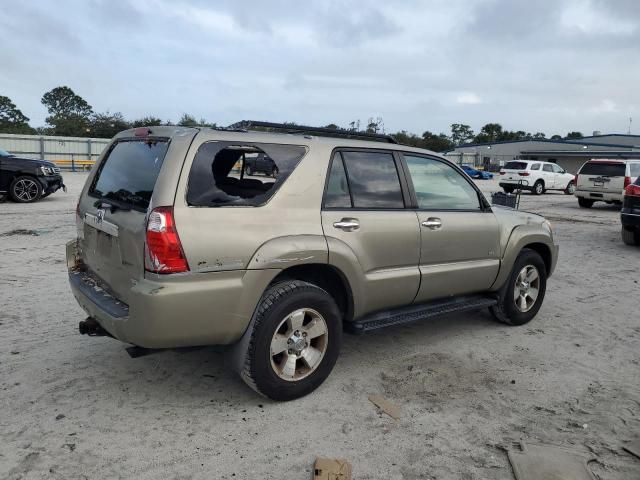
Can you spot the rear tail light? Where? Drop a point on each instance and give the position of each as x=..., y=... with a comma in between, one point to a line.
x=627, y=182
x=524, y=174
x=163, y=253
x=632, y=190
x=575, y=179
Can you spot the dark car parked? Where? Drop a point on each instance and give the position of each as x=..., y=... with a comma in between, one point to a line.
x=260, y=163
x=27, y=180
x=630, y=214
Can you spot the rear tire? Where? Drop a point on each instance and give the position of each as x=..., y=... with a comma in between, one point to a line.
x=630, y=237
x=538, y=188
x=249, y=170
x=25, y=189
x=522, y=295
x=571, y=189
x=294, y=312
x=585, y=203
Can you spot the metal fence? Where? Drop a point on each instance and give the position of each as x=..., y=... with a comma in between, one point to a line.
x=74, y=153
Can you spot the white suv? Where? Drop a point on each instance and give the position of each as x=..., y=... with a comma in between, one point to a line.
x=604, y=180
x=536, y=176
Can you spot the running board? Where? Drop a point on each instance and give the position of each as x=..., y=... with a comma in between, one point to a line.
x=413, y=313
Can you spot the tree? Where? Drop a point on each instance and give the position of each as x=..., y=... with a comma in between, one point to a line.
x=437, y=143
x=556, y=137
x=491, y=132
x=460, y=133
x=188, y=121
x=12, y=120
x=68, y=113
x=574, y=135
x=539, y=135
x=106, y=125
x=148, y=121
x=332, y=126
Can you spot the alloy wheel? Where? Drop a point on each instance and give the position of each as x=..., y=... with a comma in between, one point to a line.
x=25, y=189
x=527, y=288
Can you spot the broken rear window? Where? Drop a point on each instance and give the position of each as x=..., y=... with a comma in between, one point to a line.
x=231, y=174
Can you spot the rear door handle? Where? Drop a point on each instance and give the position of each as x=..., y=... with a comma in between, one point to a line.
x=347, y=224
x=433, y=223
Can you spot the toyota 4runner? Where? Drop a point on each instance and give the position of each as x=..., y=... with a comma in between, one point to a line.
x=176, y=247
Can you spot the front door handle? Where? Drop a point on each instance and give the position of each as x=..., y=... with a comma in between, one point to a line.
x=347, y=224
x=433, y=223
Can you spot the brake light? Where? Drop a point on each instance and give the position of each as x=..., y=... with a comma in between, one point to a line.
x=627, y=182
x=632, y=190
x=163, y=253
x=575, y=180
x=523, y=174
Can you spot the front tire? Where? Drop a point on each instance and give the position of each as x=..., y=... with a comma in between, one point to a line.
x=630, y=237
x=585, y=203
x=538, y=188
x=25, y=189
x=295, y=341
x=571, y=189
x=522, y=295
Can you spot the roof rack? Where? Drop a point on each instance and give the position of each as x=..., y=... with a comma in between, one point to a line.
x=320, y=131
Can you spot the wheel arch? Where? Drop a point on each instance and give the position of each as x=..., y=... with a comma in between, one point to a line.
x=328, y=278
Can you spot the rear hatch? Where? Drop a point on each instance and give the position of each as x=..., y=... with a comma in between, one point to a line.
x=602, y=176
x=112, y=212
x=515, y=172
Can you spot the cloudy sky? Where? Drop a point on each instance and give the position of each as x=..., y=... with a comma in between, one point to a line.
x=548, y=65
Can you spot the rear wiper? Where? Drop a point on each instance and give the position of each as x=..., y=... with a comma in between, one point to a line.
x=113, y=205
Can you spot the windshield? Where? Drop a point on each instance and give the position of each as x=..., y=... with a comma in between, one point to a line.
x=4, y=153
x=128, y=174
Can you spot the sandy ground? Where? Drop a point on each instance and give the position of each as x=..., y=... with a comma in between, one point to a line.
x=79, y=407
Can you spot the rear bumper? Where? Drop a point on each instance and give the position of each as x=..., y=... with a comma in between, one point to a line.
x=186, y=310
x=630, y=219
x=599, y=196
x=515, y=185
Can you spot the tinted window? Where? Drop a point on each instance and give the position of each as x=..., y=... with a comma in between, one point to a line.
x=634, y=169
x=557, y=169
x=439, y=186
x=373, y=180
x=547, y=168
x=516, y=165
x=128, y=174
x=219, y=177
x=606, y=169
x=337, y=195
x=535, y=166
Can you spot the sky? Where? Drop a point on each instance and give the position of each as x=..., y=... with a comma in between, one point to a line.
x=547, y=65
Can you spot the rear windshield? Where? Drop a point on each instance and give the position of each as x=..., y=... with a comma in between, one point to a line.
x=232, y=174
x=128, y=174
x=516, y=165
x=604, y=169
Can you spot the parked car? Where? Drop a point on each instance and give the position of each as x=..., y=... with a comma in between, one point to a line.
x=260, y=163
x=535, y=176
x=477, y=174
x=605, y=180
x=630, y=214
x=355, y=235
x=27, y=180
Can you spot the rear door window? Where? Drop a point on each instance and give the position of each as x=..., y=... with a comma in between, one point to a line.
x=516, y=165
x=337, y=195
x=603, y=169
x=219, y=177
x=128, y=174
x=547, y=168
x=373, y=180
